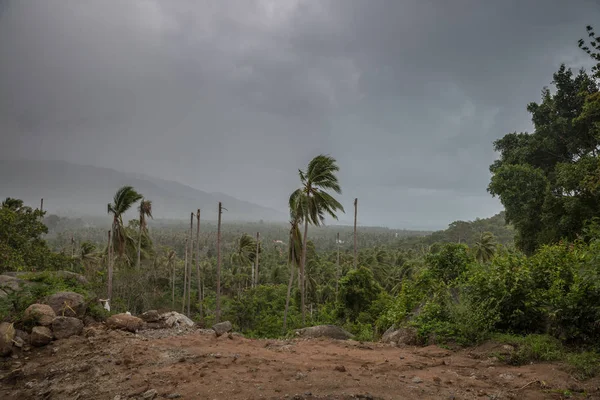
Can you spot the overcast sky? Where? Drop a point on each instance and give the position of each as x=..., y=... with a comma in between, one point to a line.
x=235, y=96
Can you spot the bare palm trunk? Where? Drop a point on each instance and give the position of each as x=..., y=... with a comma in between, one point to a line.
x=139, y=249
x=110, y=268
x=189, y=276
x=355, y=246
x=218, y=294
x=337, y=269
x=255, y=283
x=198, y=261
x=42, y=204
x=173, y=286
x=303, y=269
x=185, y=263
x=289, y=289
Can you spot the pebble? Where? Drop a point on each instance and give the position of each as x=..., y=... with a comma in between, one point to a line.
x=416, y=379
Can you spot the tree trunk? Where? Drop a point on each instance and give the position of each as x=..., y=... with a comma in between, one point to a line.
x=303, y=269
x=185, y=263
x=189, y=276
x=173, y=286
x=355, y=246
x=139, y=249
x=254, y=284
x=198, y=261
x=218, y=294
x=337, y=270
x=110, y=268
x=290, y=283
x=42, y=204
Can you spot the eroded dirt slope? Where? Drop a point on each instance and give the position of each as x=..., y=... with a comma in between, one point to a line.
x=197, y=365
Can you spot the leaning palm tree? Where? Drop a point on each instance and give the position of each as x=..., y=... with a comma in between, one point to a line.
x=245, y=253
x=313, y=202
x=145, y=210
x=485, y=247
x=123, y=200
x=12, y=204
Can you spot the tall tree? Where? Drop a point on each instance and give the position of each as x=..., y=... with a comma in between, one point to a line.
x=123, y=200
x=199, y=282
x=218, y=294
x=145, y=210
x=485, y=247
x=189, y=271
x=256, y=255
x=294, y=252
x=185, y=275
x=313, y=202
x=355, y=238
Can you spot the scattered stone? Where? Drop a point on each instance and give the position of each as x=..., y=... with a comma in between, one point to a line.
x=330, y=331
x=19, y=342
x=39, y=314
x=67, y=304
x=173, y=396
x=65, y=327
x=150, y=316
x=154, y=325
x=508, y=348
x=300, y=375
x=222, y=328
x=40, y=336
x=416, y=379
x=7, y=335
x=174, y=319
x=507, y=377
x=149, y=394
x=340, y=368
x=124, y=322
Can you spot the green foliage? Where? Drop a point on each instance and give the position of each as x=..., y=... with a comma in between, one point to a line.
x=450, y=262
x=531, y=348
x=358, y=292
x=584, y=365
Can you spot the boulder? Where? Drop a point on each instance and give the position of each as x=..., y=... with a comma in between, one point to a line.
x=67, y=304
x=40, y=336
x=124, y=322
x=150, y=316
x=3, y=294
x=174, y=319
x=39, y=314
x=11, y=283
x=406, y=336
x=222, y=328
x=65, y=327
x=7, y=335
x=330, y=331
x=386, y=335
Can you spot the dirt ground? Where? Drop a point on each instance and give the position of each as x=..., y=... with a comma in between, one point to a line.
x=196, y=365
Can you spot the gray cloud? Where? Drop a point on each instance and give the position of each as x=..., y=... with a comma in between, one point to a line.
x=235, y=96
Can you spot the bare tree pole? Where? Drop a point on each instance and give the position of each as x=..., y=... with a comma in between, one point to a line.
x=337, y=271
x=198, y=260
x=218, y=294
x=185, y=263
x=355, y=246
x=290, y=283
x=110, y=269
x=172, y=285
x=256, y=260
x=189, y=277
x=72, y=246
x=42, y=204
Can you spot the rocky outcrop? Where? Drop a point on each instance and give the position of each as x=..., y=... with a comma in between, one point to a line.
x=67, y=304
x=407, y=336
x=65, y=327
x=330, y=331
x=7, y=335
x=174, y=319
x=10, y=284
x=222, y=328
x=40, y=336
x=124, y=322
x=150, y=316
x=39, y=314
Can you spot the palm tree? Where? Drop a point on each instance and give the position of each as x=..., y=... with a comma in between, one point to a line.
x=294, y=251
x=145, y=210
x=313, y=202
x=485, y=247
x=245, y=253
x=123, y=200
x=12, y=204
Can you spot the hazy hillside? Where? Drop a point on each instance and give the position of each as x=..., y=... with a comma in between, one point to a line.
x=74, y=190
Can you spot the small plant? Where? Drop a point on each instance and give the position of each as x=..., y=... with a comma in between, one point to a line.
x=584, y=365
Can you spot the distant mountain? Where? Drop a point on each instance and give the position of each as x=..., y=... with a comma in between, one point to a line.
x=79, y=190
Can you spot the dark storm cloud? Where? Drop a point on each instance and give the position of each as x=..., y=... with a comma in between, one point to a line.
x=235, y=96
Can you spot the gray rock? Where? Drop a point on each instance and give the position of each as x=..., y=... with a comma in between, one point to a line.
x=406, y=336
x=125, y=322
x=150, y=316
x=11, y=283
x=3, y=294
x=39, y=314
x=7, y=335
x=330, y=331
x=386, y=335
x=19, y=342
x=67, y=304
x=222, y=328
x=22, y=335
x=40, y=336
x=416, y=379
x=149, y=394
x=174, y=319
x=65, y=327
